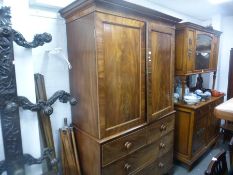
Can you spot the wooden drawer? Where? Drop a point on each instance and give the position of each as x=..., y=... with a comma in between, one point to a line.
x=161, y=128
x=125, y=145
x=165, y=144
x=132, y=162
x=203, y=112
x=219, y=101
x=159, y=167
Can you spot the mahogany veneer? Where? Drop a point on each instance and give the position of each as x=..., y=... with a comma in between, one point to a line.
x=125, y=119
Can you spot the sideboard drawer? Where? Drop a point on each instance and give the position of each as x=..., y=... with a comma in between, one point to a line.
x=125, y=145
x=219, y=101
x=203, y=111
x=133, y=162
x=161, y=128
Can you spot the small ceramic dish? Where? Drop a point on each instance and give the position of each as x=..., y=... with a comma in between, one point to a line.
x=191, y=99
x=216, y=93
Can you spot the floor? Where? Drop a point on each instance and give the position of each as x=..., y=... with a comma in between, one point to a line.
x=202, y=165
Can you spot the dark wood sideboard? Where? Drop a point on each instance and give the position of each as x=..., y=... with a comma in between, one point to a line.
x=122, y=56
x=196, y=128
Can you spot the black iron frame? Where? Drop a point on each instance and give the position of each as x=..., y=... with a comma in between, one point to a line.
x=9, y=101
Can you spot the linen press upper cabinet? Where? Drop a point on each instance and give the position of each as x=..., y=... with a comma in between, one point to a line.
x=113, y=68
x=197, y=49
x=122, y=58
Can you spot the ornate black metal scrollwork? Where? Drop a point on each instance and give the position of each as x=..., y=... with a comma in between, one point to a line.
x=5, y=17
x=39, y=39
x=10, y=123
x=29, y=160
x=7, y=71
x=2, y=166
x=9, y=101
x=45, y=106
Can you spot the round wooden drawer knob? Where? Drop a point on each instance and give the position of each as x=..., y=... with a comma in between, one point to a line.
x=127, y=167
x=162, y=145
x=163, y=127
x=128, y=145
x=161, y=165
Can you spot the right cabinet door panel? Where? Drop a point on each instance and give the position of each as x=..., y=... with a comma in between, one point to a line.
x=160, y=70
x=204, y=52
x=215, y=49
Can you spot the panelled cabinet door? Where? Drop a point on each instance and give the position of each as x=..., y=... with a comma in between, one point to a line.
x=204, y=51
x=191, y=52
x=212, y=122
x=215, y=48
x=160, y=63
x=121, y=57
x=199, y=133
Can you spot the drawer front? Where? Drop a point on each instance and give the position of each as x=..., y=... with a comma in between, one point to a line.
x=132, y=162
x=159, y=167
x=219, y=101
x=125, y=145
x=138, y=159
x=165, y=144
x=203, y=112
x=161, y=128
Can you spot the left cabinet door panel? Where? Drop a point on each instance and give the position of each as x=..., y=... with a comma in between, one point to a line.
x=121, y=73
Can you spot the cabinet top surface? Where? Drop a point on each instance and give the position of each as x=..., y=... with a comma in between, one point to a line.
x=197, y=27
x=198, y=105
x=118, y=4
x=201, y=71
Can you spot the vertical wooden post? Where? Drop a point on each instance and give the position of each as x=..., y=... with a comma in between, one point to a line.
x=214, y=79
x=44, y=120
x=230, y=77
x=183, y=83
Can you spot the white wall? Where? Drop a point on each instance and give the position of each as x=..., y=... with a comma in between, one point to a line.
x=226, y=45
x=225, y=25
x=30, y=21
x=151, y=5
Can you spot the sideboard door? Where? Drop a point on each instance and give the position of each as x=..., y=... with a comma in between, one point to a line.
x=121, y=58
x=160, y=64
x=215, y=46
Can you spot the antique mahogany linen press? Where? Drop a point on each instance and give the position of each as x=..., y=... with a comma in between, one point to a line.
x=122, y=56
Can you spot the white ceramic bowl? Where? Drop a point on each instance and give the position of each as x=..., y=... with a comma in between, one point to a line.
x=191, y=99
